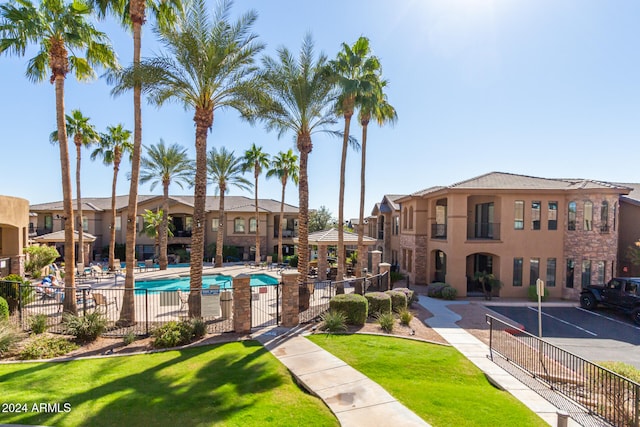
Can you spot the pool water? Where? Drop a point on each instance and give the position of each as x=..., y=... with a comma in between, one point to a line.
x=221, y=280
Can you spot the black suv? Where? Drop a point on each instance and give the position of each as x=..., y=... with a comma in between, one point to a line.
x=622, y=293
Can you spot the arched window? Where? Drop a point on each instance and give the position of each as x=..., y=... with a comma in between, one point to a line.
x=252, y=225
x=238, y=225
x=604, y=217
x=404, y=218
x=411, y=218
x=588, y=216
x=571, y=218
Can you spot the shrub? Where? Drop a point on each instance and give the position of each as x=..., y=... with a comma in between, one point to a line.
x=173, y=334
x=293, y=261
x=199, y=328
x=449, y=292
x=396, y=276
x=411, y=296
x=8, y=337
x=533, y=293
x=85, y=328
x=623, y=369
x=38, y=323
x=405, y=317
x=39, y=257
x=333, y=321
x=11, y=290
x=4, y=309
x=386, y=321
x=398, y=300
x=353, y=306
x=434, y=290
x=379, y=302
x=129, y=338
x=44, y=347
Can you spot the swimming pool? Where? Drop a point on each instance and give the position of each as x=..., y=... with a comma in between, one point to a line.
x=221, y=280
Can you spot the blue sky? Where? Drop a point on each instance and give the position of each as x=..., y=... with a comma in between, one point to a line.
x=535, y=87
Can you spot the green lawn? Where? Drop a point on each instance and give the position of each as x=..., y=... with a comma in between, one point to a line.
x=436, y=382
x=235, y=384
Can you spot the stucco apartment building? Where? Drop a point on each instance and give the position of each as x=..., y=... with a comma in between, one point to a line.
x=240, y=223
x=568, y=232
x=14, y=234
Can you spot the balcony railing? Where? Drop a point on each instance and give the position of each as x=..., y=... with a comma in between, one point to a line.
x=285, y=233
x=438, y=231
x=484, y=231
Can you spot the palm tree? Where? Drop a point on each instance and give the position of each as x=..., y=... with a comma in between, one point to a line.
x=372, y=104
x=133, y=13
x=255, y=159
x=153, y=224
x=165, y=165
x=353, y=69
x=113, y=145
x=59, y=31
x=209, y=66
x=225, y=171
x=84, y=134
x=284, y=166
x=299, y=92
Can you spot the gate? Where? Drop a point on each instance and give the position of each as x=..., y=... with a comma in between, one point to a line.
x=266, y=303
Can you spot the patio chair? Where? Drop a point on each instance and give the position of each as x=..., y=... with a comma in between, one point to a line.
x=97, y=272
x=104, y=302
x=148, y=264
x=184, y=300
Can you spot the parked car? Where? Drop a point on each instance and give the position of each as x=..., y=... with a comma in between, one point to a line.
x=621, y=293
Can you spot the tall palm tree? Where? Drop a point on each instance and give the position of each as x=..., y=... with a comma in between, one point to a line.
x=166, y=165
x=284, y=166
x=60, y=32
x=372, y=104
x=84, y=134
x=153, y=225
x=299, y=93
x=225, y=171
x=133, y=13
x=113, y=145
x=255, y=160
x=354, y=69
x=209, y=65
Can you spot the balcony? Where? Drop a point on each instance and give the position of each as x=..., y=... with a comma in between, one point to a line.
x=438, y=231
x=285, y=233
x=483, y=231
x=380, y=235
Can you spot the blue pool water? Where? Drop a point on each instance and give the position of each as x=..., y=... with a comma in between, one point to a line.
x=182, y=283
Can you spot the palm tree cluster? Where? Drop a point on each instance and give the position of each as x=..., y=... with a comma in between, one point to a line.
x=208, y=63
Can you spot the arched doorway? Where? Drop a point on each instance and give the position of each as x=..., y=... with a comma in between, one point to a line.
x=439, y=266
x=480, y=262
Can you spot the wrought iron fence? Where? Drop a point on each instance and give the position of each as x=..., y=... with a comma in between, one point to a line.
x=605, y=394
x=266, y=303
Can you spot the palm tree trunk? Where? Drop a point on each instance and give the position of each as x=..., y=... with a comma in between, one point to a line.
x=363, y=162
x=281, y=219
x=69, y=249
x=112, y=227
x=163, y=238
x=81, y=257
x=304, y=146
x=221, y=228
x=257, y=220
x=343, y=166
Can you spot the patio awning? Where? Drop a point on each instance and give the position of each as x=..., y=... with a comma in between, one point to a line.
x=58, y=237
x=330, y=238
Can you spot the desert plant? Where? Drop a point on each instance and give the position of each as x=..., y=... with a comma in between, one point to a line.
x=8, y=337
x=386, y=321
x=38, y=258
x=449, y=293
x=353, y=306
x=411, y=296
x=173, y=334
x=199, y=328
x=4, y=310
x=129, y=338
x=398, y=300
x=490, y=284
x=405, y=317
x=532, y=293
x=379, y=302
x=44, y=347
x=38, y=323
x=434, y=290
x=333, y=321
x=85, y=328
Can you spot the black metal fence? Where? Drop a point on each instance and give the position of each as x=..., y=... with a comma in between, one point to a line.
x=603, y=393
x=266, y=305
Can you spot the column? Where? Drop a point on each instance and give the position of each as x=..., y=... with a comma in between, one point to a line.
x=385, y=268
x=242, y=304
x=290, y=296
x=376, y=258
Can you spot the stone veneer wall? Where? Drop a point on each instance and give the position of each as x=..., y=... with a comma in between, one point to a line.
x=242, y=304
x=420, y=257
x=290, y=299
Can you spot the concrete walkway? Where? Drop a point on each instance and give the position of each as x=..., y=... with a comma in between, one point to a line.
x=352, y=397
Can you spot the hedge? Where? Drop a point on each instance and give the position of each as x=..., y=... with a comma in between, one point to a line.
x=398, y=300
x=379, y=302
x=353, y=306
x=434, y=290
x=411, y=296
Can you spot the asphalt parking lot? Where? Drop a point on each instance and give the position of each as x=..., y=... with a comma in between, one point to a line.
x=599, y=335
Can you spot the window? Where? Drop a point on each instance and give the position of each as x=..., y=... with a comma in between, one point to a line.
x=534, y=270
x=615, y=209
x=588, y=216
x=85, y=224
x=252, y=225
x=604, y=217
x=188, y=223
x=118, y=223
x=214, y=224
x=570, y=272
x=535, y=215
x=571, y=218
x=411, y=218
x=600, y=268
x=404, y=218
x=551, y=272
x=48, y=222
x=238, y=225
x=517, y=272
x=552, y=216
x=396, y=224
x=586, y=273
x=518, y=215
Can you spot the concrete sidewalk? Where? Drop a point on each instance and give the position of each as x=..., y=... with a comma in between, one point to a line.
x=352, y=397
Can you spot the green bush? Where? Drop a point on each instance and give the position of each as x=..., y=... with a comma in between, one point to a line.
x=173, y=334
x=38, y=323
x=532, y=293
x=199, y=328
x=405, y=317
x=434, y=290
x=386, y=321
x=8, y=337
x=398, y=300
x=623, y=369
x=39, y=257
x=333, y=321
x=449, y=293
x=354, y=307
x=4, y=309
x=396, y=276
x=129, y=338
x=11, y=290
x=45, y=347
x=379, y=302
x=293, y=261
x=85, y=328
x=411, y=296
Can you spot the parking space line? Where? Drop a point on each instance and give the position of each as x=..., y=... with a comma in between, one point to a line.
x=609, y=318
x=564, y=321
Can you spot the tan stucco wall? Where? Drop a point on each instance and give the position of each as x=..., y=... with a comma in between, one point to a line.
x=14, y=221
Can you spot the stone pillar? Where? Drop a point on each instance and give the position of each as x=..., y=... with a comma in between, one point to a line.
x=385, y=268
x=376, y=258
x=290, y=296
x=242, y=304
x=322, y=262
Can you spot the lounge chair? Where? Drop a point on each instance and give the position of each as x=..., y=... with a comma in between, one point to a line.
x=148, y=264
x=184, y=300
x=104, y=302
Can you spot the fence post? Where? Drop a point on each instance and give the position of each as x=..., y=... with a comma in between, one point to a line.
x=242, y=304
x=563, y=419
x=290, y=296
x=385, y=269
x=376, y=257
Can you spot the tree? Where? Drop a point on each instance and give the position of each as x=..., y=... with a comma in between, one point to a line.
x=354, y=69
x=113, y=145
x=372, y=104
x=284, y=166
x=225, y=171
x=39, y=257
x=298, y=99
x=320, y=220
x=209, y=65
x=84, y=134
x=164, y=165
x=255, y=160
x=61, y=32
x=154, y=224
